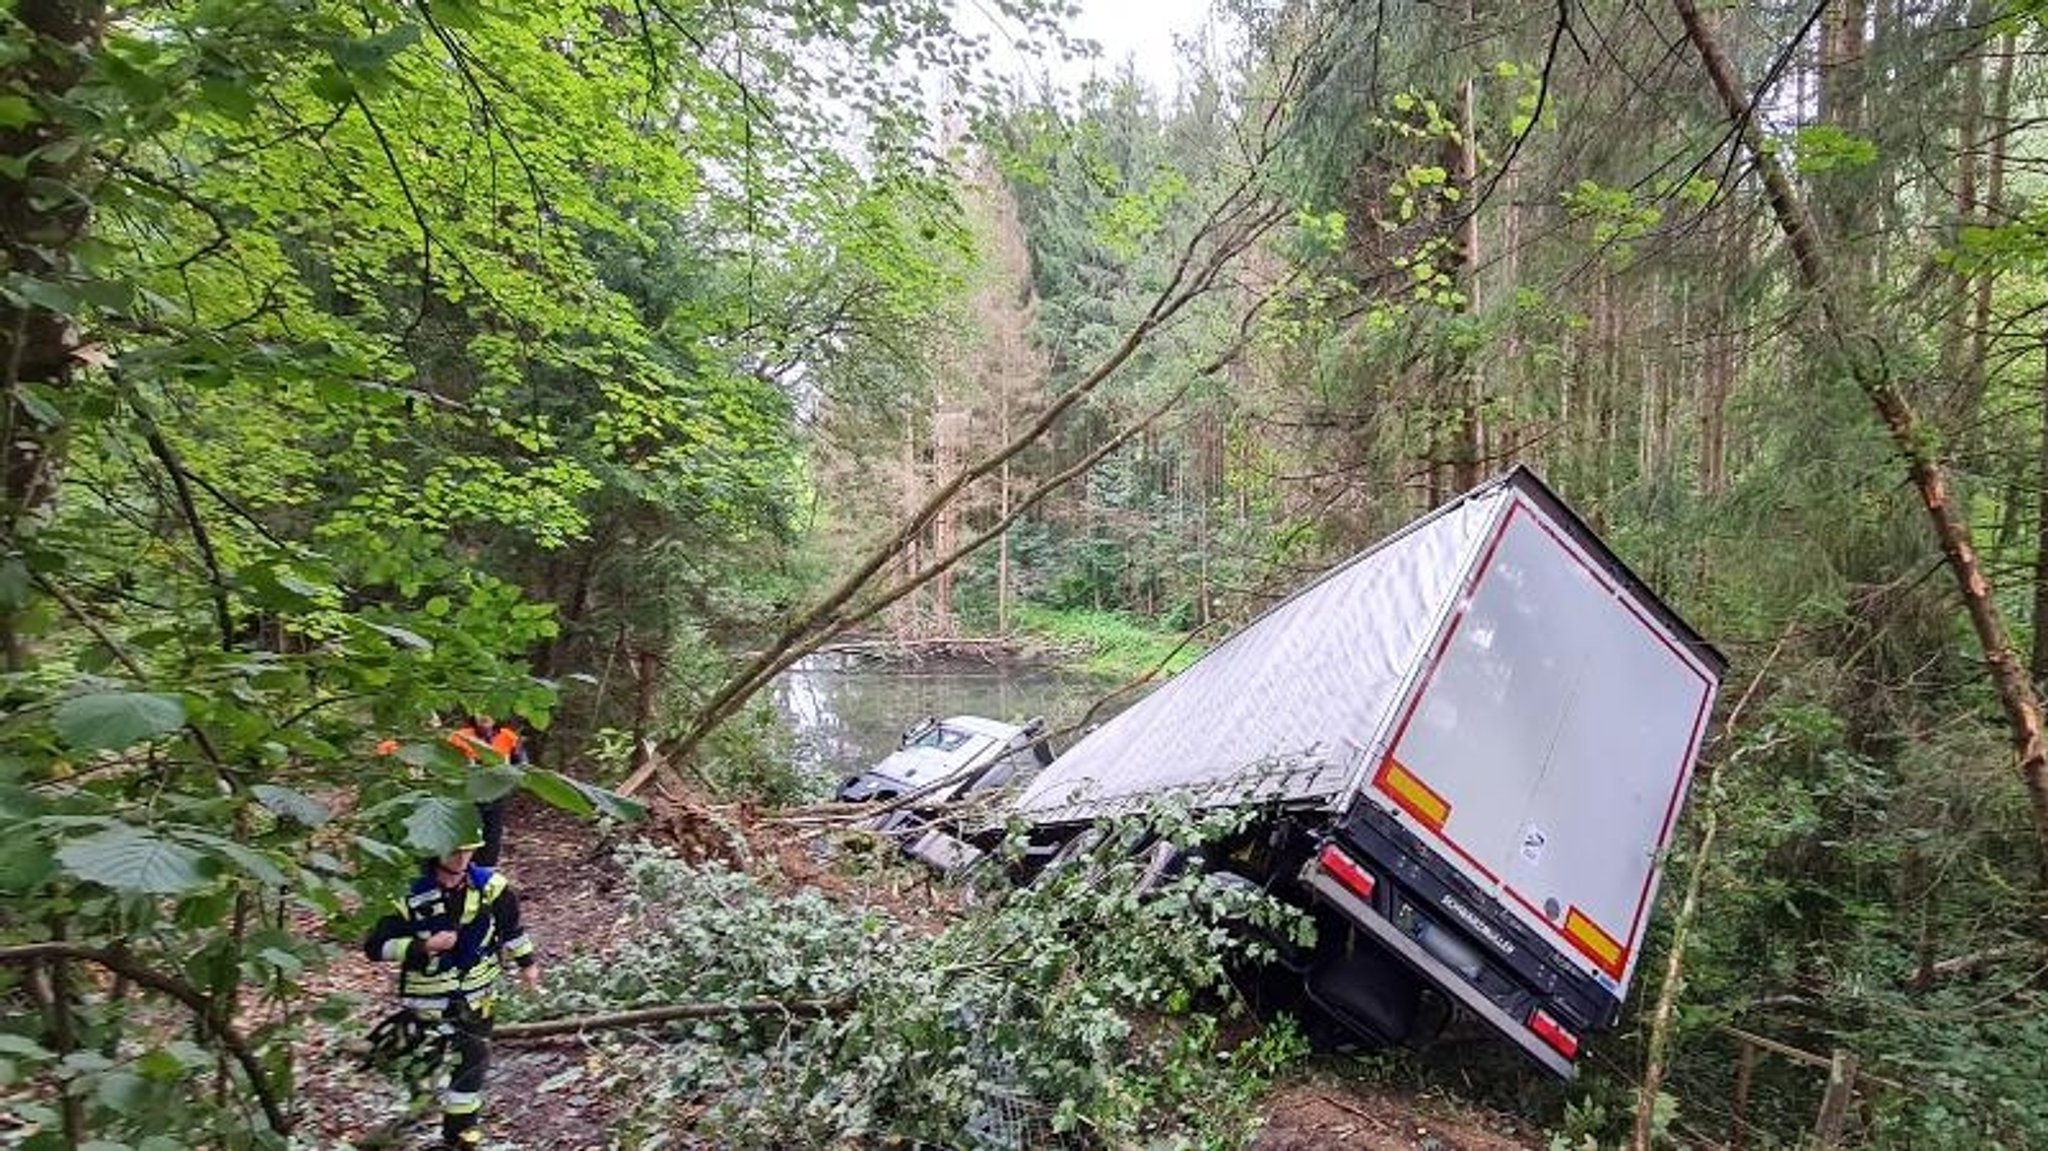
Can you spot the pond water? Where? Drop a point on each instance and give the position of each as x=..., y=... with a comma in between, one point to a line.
x=845, y=714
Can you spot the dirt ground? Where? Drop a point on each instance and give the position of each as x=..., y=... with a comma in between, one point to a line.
x=1322, y=1112
x=560, y=1096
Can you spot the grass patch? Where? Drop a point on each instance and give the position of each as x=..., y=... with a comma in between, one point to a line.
x=1109, y=644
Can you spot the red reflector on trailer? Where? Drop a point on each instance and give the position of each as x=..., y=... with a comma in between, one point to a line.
x=1357, y=880
x=1552, y=1032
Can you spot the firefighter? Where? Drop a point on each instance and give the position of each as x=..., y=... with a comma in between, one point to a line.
x=482, y=739
x=450, y=935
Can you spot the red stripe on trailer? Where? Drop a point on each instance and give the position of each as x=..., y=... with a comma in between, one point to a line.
x=1443, y=645
x=1699, y=723
x=1518, y=506
x=1611, y=588
x=1692, y=742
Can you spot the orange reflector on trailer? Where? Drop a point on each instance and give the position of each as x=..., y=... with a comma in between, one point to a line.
x=1413, y=795
x=1596, y=944
x=1355, y=879
x=1552, y=1032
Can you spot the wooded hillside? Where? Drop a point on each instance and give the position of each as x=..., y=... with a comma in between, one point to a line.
x=369, y=364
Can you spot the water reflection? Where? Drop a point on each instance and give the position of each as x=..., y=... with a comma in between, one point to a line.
x=845, y=715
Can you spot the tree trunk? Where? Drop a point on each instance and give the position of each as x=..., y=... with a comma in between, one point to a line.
x=39, y=234
x=1959, y=364
x=949, y=437
x=903, y=617
x=2039, y=664
x=1989, y=211
x=1003, y=544
x=1469, y=450
x=1853, y=347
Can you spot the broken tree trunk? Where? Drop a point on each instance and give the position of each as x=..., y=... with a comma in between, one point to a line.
x=666, y=1013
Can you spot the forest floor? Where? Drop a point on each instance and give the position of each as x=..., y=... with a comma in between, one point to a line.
x=557, y=1096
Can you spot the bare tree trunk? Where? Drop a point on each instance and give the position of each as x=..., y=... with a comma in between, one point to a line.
x=1510, y=428
x=1855, y=349
x=1723, y=355
x=1604, y=396
x=949, y=435
x=1003, y=510
x=1470, y=448
x=1959, y=365
x=647, y=677
x=1990, y=211
x=903, y=618
x=1841, y=68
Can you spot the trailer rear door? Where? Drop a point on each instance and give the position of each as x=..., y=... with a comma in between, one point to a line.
x=1551, y=737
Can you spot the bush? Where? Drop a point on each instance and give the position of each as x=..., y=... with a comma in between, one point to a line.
x=1076, y=1012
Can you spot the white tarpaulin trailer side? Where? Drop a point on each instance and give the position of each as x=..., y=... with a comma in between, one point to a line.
x=1287, y=706
x=1492, y=676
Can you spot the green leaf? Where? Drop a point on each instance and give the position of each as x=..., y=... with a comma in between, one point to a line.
x=332, y=85
x=133, y=860
x=116, y=719
x=437, y=826
x=296, y=806
x=559, y=791
x=17, y=112
x=39, y=407
x=25, y=289
x=252, y=862
x=488, y=783
x=374, y=53
x=120, y=1091
x=231, y=98
x=1824, y=148
x=465, y=14
x=25, y=863
x=108, y=295
x=583, y=798
x=404, y=638
x=21, y=1047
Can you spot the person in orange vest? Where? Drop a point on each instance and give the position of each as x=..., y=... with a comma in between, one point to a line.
x=481, y=740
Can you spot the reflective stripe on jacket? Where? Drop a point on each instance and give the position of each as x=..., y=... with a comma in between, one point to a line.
x=483, y=914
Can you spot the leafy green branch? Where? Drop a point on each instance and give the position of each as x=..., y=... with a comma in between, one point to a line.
x=202, y=1006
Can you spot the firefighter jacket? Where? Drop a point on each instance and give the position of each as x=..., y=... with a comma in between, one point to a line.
x=483, y=914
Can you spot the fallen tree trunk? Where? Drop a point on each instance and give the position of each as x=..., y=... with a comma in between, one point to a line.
x=667, y=1013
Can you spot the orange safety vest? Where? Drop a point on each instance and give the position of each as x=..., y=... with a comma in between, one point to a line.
x=503, y=743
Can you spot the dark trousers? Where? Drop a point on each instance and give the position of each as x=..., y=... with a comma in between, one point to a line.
x=462, y=1104
x=493, y=816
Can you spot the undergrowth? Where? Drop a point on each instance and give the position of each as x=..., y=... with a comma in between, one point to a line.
x=1077, y=1012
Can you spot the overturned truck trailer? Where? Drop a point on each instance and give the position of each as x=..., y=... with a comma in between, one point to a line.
x=1473, y=740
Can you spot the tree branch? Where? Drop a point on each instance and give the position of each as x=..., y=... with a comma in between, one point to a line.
x=577, y=1025
x=200, y=1004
